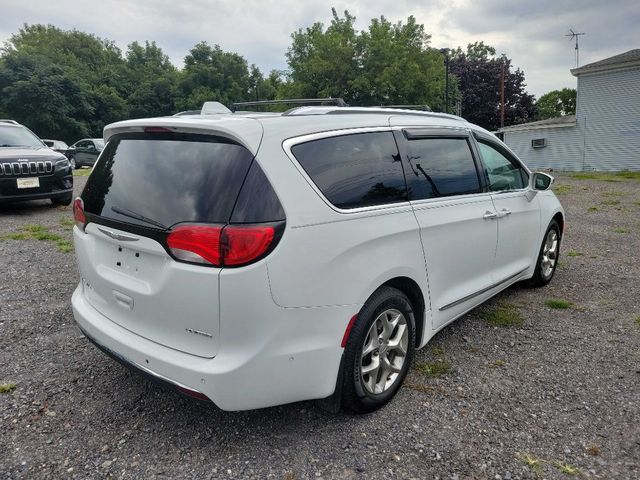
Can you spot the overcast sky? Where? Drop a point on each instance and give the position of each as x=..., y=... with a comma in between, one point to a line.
x=530, y=32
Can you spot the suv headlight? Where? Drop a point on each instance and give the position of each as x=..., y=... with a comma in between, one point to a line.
x=62, y=164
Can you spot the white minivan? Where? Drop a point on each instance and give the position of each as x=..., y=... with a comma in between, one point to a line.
x=256, y=259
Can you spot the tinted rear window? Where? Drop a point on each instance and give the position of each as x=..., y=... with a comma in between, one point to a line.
x=441, y=167
x=169, y=179
x=355, y=170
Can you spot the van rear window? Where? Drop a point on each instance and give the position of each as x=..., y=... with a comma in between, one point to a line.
x=167, y=178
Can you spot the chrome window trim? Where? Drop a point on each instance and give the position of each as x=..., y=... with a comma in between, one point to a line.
x=289, y=143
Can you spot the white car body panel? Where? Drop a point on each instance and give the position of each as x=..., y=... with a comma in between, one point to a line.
x=276, y=326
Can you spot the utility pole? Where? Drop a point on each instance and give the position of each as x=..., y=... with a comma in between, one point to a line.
x=445, y=52
x=502, y=96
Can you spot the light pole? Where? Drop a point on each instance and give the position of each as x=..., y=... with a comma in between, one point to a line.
x=445, y=52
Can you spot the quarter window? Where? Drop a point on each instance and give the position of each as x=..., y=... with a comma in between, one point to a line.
x=356, y=170
x=503, y=173
x=440, y=167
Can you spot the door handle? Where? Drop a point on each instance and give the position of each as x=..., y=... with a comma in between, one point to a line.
x=489, y=215
x=505, y=212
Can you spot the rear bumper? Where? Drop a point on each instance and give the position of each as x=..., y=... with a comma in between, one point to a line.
x=288, y=355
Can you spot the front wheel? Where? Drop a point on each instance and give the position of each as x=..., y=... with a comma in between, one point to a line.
x=379, y=351
x=548, y=256
x=73, y=163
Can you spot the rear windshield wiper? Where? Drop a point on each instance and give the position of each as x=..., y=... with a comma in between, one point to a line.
x=137, y=216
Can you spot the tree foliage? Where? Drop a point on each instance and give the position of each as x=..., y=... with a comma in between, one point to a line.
x=556, y=103
x=387, y=64
x=68, y=84
x=479, y=72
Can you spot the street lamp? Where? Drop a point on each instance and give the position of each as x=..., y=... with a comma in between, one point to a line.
x=445, y=52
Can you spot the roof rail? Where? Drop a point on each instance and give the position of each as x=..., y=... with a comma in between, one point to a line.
x=422, y=108
x=338, y=102
x=7, y=120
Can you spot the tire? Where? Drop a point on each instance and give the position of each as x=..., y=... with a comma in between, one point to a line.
x=364, y=392
x=74, y=164
x=66, y=200
x=549, y=252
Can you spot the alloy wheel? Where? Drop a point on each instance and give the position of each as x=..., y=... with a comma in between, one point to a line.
x=549, y=253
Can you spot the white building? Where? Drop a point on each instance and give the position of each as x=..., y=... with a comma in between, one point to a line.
x=605, y=132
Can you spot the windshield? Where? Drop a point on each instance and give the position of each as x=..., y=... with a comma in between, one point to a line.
x=11, y=136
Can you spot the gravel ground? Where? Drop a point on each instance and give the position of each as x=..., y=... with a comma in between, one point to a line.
x=556, y=395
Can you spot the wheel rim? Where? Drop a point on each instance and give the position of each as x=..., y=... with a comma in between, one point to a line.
x=549, y=253
x=72, y=162
x=384, y=351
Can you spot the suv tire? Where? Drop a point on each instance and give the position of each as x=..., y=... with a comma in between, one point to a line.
x=65, y=200
x=381, y=342
x=74, y=165
x=547, y=260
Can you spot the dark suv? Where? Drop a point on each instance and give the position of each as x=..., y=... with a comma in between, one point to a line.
x=29, y=170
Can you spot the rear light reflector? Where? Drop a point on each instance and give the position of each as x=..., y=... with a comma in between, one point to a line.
x=196, y=243
x=193, y=393
x=244, y=244
x=220, y=246
x=78, y=213
x=345, y=337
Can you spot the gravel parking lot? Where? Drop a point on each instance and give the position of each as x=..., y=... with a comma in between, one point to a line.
x=515, y=389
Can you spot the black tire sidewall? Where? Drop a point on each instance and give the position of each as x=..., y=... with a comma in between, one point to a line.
x=355, y=397
x=538, y=278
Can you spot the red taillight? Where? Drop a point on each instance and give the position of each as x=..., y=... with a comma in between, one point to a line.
x=78, y=213
x=220, y=246
x=242, y=245
x=196, y=243
x=193, y=393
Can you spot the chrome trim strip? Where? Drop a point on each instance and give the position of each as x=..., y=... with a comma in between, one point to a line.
x=484, y=290
x=118, y=236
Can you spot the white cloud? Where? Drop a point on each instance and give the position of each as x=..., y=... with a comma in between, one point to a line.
x=530, y=33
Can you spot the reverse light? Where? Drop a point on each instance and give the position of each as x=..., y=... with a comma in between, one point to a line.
x=78, y=213
x=220, y=246
x=196, y=244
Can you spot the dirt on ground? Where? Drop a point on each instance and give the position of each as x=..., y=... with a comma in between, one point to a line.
x=536, y=383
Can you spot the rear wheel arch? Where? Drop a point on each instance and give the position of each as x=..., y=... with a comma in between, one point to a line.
x=413, y=291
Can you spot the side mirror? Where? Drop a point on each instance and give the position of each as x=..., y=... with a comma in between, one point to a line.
x=541, y=181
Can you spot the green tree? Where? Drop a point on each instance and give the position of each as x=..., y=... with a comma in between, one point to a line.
x=213, y=74
x=479, y=72
x=63, y=84
x=153, y=81
x=556, y=103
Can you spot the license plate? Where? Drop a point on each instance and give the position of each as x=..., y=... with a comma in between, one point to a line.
x=33, y=182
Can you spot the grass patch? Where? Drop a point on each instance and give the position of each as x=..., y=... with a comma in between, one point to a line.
x=620, y=230
x=434, y=369
x=534, y=464
x=574, y=253
x=67, y=222
x=606, y=176
x=567, y=469
x=562, y=189
x=637, y=320
x=438, y=351
x=558, y=303
x=592, y=209
x=7, y=387
x=82, y=172
x=498, y=364
x=504, y=315
x=41, y=233
x=610, y=202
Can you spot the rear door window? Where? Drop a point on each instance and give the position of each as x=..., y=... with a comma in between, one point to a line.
x=440, y=167
x=356, y=170
x=167, y=179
